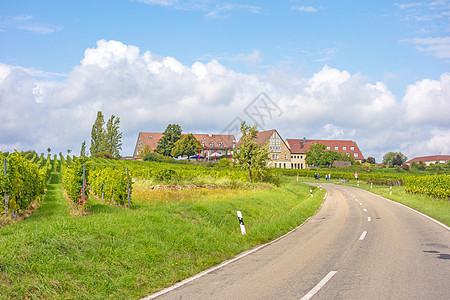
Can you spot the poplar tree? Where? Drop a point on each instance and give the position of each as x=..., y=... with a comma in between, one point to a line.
x=98, y=135
x=106, y=142
x=113, y=139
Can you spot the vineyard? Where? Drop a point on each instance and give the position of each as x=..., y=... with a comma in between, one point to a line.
x=179, y=220
x=437, y=186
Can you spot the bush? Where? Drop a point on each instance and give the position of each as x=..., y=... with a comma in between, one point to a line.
x=225, y=163
x=165, y=175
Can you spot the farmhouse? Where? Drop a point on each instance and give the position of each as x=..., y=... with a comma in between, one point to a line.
x=432, y=159
x=279, y=153
x=214, y=145
x=299, y=147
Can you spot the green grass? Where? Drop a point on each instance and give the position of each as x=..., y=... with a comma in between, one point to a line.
x=115, y=253
x=437, y=209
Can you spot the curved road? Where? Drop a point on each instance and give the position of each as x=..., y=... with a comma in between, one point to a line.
x=358, y=246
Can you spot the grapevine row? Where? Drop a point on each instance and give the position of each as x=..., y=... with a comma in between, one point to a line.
x=23, y=183
x=433, y=185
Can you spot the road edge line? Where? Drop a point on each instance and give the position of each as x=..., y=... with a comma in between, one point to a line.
x=416, y=211
x=223, y=264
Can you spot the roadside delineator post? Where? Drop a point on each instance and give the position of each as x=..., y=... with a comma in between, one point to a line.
x=371, y=185
x=390, y=190
x=310, y=190
x=241, y=222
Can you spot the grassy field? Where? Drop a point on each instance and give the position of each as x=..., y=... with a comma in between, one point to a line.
x=116, y=253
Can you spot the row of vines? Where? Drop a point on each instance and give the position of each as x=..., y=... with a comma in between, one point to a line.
x=433, y=185
x=82, y=175
x=21, y=182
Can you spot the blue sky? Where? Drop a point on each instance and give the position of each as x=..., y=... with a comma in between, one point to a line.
x=400, y=49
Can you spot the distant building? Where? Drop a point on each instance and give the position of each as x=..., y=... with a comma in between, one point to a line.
x=432, y=159
x=339, y=164
x=279, y=153
x=214, y=145
x=299, y=147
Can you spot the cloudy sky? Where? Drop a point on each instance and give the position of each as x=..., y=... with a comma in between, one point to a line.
x=377, y=72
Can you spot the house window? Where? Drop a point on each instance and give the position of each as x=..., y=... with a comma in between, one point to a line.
x=211, y=144
x=352, y=148
x=301, y=156
x=328, y=147
x=285, y=156
x=344, y=148
x=273, y=156
x=336, y=148
x=355, y=154
x=203, y=144
x=150, y=137
x=220, y=144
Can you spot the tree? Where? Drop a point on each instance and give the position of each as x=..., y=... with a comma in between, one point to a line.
x=250, y=155
x=388, y=158
x=106, y=142
x=145, y=151
x=397, y=160
x=371, y=160
x=187, y=145
x=113, y=137
x=314, y=154
x=98, y=135
x=83, y=149
x=170, y=136
x=49, y=150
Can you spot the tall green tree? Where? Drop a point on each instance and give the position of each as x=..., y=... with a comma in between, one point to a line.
x=83, y=149
x=389, y=157
x=187, y=145
x=113, y=137
x=317, y=156
x=98, y=135
x=314, y=154
x=106, y=142
x=250, y=155
x=170, y=136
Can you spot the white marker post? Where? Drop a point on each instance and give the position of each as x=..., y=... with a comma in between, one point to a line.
x=371, y=185
x=241, y=222
x=390, y=190
x=311, y=192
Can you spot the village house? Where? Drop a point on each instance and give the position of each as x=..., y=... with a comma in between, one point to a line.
x=298, y=148
x=432, y=159
x=279, y=153
x=214, y=145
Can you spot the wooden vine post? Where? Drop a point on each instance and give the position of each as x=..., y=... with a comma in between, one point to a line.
x=6, y=193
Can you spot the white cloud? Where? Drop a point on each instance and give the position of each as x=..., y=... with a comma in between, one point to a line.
x=147, y=92
x=304, y=8
x=428, y=102
x=26, y=22
x=439, y=46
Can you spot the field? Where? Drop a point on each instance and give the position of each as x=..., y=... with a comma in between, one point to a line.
x=116, y=253
x=181, y=220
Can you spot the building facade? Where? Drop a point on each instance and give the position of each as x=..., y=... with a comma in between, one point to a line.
x=214, y=145
x=432, y=159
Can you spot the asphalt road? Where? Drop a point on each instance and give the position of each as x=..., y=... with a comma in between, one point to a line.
x=358, y=246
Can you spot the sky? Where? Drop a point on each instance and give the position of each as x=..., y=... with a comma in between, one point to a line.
x=376, y=72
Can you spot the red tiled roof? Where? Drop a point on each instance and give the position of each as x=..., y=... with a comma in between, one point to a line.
x=300, y=146
x=430, y=158
x=152, y=139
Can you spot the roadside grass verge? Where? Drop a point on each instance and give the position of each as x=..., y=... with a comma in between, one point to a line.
x=115, y=253
x=437, y=209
